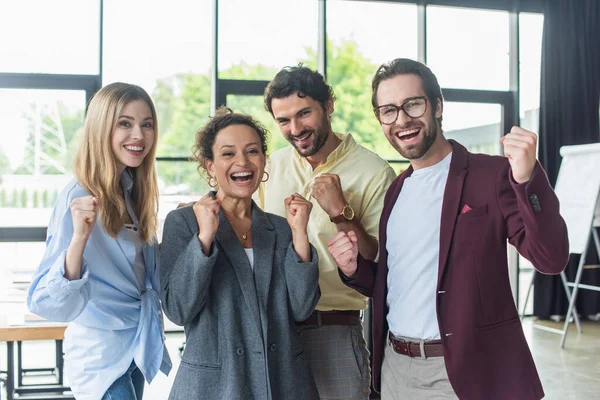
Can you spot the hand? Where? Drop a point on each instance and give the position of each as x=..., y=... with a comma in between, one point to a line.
x=520, y=147
x=343, y=247
x=327, y=190
x=297, y=212
x=207, y=215
x=84, y=211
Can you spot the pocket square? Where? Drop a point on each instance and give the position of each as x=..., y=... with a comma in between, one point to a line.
x=465, y=209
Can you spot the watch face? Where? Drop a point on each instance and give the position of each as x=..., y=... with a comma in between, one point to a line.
x=348, y=212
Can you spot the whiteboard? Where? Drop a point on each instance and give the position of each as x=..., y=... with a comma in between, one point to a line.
x=577, y=188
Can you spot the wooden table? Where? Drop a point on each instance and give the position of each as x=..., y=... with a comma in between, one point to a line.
x=25, y=331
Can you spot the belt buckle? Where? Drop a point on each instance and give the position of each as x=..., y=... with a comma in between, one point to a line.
x=409, y=351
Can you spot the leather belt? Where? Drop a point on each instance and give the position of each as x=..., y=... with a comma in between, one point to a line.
x=318, y=318
x=433, y=348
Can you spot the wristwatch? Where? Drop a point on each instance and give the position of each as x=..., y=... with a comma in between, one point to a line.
x=347, y=214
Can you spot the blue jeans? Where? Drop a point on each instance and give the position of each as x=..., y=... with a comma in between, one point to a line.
x=130, y=386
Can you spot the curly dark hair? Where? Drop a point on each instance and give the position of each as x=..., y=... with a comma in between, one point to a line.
x=223, y=117
x=401, y=66
x=298, y=79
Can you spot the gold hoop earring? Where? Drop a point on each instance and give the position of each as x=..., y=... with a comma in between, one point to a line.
x=265, y=173
x=212, y=182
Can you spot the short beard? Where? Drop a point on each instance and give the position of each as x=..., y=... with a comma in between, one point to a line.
x=429, y=132
x=320, y=136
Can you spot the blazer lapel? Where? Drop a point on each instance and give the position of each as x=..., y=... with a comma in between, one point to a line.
x=263, y=243
x=451, y=202
x=233, y=250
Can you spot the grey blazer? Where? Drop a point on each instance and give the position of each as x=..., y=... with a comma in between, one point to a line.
x=241, y=340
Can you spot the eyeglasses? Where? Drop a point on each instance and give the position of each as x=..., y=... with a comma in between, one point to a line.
x=414, y=108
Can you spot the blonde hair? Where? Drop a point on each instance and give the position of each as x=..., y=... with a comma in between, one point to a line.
x=95, y=164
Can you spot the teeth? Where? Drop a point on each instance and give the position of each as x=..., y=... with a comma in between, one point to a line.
x=400, y=134
x=134, y=148
x=241, y=174
x=302, y=137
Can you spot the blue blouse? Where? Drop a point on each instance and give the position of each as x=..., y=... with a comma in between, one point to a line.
x=112, y=321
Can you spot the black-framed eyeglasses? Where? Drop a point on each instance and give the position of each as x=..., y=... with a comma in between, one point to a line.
x=414, y=108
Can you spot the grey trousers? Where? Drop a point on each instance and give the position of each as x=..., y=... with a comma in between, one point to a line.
x=339, y=360
x=414, y=378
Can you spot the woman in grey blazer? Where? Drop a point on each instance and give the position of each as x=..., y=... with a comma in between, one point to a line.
x=238, y=278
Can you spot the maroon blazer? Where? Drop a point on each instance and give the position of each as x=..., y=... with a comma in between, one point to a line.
x=485, y=351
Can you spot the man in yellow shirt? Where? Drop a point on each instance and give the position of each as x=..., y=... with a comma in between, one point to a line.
x=346, y=184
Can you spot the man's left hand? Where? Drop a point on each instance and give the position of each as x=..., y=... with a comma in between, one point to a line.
x=327, y=190
x=520, y=147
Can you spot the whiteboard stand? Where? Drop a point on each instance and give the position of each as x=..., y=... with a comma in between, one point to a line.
x=576, y=285
x=578, y=191
x=565, y=282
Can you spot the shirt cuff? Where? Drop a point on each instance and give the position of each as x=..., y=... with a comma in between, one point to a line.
x=60, y=287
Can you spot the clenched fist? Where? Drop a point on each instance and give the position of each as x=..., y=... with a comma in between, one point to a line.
x=297, y=212
x=207, y=215
x=343, y=247
x=520, y=147
x=327, y=190
x=84, y=211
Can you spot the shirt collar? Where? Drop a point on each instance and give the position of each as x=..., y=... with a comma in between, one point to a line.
x=127, y=180
x=348, y=143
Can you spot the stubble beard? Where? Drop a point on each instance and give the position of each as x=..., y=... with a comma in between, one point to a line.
x=320, y=135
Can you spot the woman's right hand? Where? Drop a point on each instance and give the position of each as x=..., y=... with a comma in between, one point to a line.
x=207, y=215
x=83, y=212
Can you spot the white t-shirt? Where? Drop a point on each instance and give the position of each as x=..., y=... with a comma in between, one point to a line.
x=250, y=255
x=413, y=245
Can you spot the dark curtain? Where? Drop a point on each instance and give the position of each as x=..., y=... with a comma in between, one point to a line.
x=569, y=108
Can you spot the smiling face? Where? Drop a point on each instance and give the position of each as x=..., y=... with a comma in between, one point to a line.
x=303, y=122
x=133, y=136
x=411, y=137
x=238, y=161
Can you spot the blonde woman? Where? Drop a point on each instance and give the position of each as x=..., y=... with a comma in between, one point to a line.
x=100, y=268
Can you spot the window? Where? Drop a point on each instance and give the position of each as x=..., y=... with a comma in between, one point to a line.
x=356, y=46
x=467, y=48
x=476, y=126
x=38, y=132
x=51, y=37
x=530, y=54
x=167, y=51
x=258, y=38
x=253, y=105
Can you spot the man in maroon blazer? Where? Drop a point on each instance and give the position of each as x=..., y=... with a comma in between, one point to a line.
x=444, y=320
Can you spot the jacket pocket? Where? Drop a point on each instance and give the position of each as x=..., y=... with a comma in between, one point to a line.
x=201, y=366
x=489, y=327
x=473, y=213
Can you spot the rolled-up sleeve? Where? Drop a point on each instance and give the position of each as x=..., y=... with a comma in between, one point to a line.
x=51, y=295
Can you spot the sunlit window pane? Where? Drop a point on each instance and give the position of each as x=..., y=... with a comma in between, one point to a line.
x=468, y=48
x=52, y=37
x=253, y=105
x=257, y=38
x=167, y=51
x=355, y=49
x=530, y=50
x=476, y=126
x=39, y=130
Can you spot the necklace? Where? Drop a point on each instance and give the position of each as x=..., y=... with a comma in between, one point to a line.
x=244, y=235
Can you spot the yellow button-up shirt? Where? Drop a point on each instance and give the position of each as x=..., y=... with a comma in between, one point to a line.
x=365, y=178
